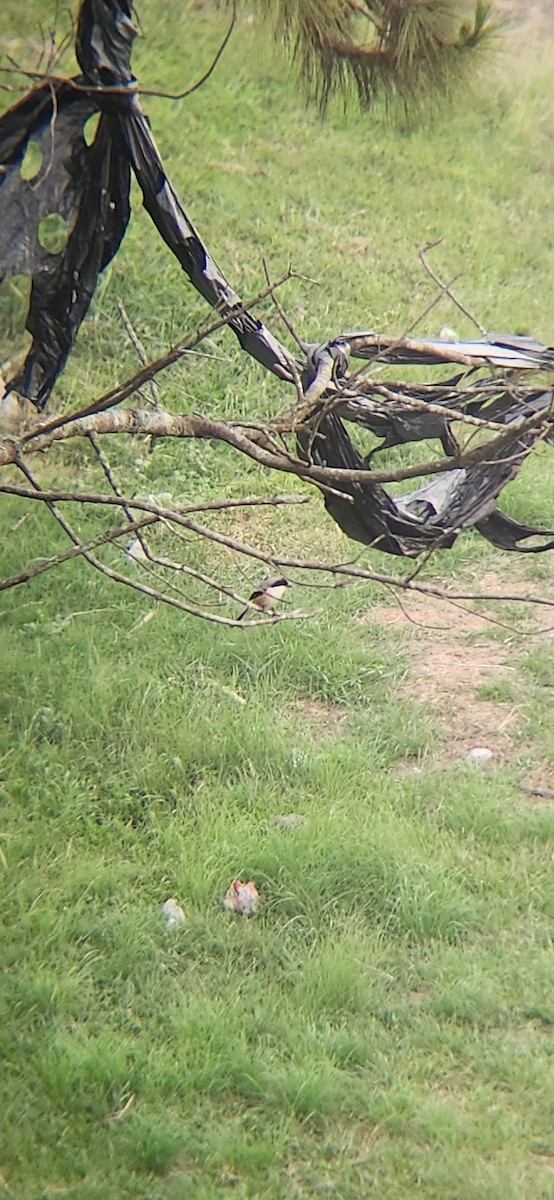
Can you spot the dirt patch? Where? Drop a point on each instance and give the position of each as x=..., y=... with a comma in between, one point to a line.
x=537, y=786
x=469, y=682
x=325, y=720
x=535, y=619
x=448, y=678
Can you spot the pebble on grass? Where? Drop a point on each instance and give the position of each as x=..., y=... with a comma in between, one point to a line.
x=479, y=755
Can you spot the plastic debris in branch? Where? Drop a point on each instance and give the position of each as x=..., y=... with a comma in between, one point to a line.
x=88, y=188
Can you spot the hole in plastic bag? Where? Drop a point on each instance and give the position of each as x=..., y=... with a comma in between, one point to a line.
x=90, y=127
x=32, y=161
x=52, y=233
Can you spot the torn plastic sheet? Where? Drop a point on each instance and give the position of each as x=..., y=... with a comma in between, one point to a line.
x=57, y=185
x=430, y=516
x=97, y=213
x=397, y=423
x=371, y=516
x=88, y=187
x=164, y=206
x=511, y=352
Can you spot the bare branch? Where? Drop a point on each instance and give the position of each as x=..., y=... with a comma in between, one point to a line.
x=85, y=550
x=446, y=288
x=206, y=75
x=122, y=391
x=342, y=570
x=165, y=424
x=136, y=342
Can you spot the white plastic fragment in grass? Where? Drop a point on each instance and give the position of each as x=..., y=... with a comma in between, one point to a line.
x=289, y=821
x=242, y=898
x=173, y=913
x=134, y=552
x=238, y=699
x=479, y=755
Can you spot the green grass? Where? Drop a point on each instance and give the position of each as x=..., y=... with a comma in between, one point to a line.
x=384, y=1026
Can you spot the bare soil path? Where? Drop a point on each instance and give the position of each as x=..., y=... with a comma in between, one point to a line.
x=468, y=668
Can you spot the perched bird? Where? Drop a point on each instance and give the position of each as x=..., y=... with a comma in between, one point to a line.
x=267, y=595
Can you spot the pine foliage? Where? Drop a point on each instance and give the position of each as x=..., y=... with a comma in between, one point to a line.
x=413, y=50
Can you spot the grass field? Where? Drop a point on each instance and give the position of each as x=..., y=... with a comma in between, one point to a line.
x=384, y=1026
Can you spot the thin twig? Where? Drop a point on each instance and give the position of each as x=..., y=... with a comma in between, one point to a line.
x=440, y=410
x=445, y=291
x=446, y=288
x=203, y=78
x=345, y=571
x=122, y=391
x=288, y=324
x=106, y=467
x=136, y=342
x=141, y=352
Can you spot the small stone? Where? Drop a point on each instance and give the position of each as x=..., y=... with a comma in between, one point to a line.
x=173, y=913
x=479, y=755
x=289, y=821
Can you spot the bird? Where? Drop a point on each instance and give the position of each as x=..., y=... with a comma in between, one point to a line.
x=267, y=595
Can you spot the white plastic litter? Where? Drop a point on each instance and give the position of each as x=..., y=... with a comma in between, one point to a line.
x=173, y=913
x=134, y=552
